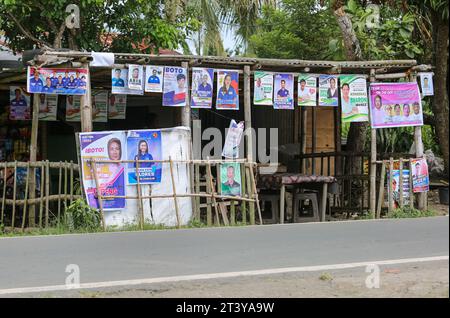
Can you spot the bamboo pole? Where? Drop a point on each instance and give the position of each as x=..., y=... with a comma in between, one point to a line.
x=33, y=155
x=248, y=113
x=59, y=192
x=250, y=195
x=186, y=110
x=4, y=194
x=232, y=213
x=213, y=197
x=86, y=103
x=243, y=205
x=65, y=184
x=165, y=196
x=255, y=193
x=400, y=181
x=373, y=158
x=381, y=190
x=99, y=193
x=208, y=201
x=175, y=200
x=391, y=189
x=14, y=195
x=71, y=181
x=139, y=195
x=26, y=198
x=47, y=192
x=197, y=190
x=41, y=199
x=411, y=192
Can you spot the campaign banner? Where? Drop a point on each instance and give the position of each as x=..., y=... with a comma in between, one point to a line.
x=420, y=177
x=144, y=145
x=73, y=108
x=328, y=90
x=283, y=91
x=135, y=75
x=395, y=105
x=426, y=83
x=395, y=187
x=227, y=90
x=154, y=78
x=119, y=83
x=233, y=140
x=202, y=87
x=174, y=88
x=99, y=102
x=307, y=90
x=105, y=145
x=63, y=81
x=230, y=177
x=48, y=107
x=263, y=88
x=354, y=99
x=117, y=106
x=19, y=104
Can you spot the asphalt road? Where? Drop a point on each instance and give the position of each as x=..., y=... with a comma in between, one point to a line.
x=42, y=261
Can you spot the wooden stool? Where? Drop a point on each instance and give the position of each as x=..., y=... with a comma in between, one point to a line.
x=274, y=200
x=315, y=207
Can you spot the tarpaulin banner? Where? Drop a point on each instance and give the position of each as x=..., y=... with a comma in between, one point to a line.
x=65, y=81
x=19, y=104
x=73, y=103
x=117, y=107
x=263, y=88
x=48, y=107
x=283, y=91
x=233, y=140
x=202, y=87
x=99, y=106
x=119, y=83
x=307, y=90
x=154, y=78
x=328, y=90
x=227, y=90
x=175, y=87
x=354, y=99
x=420, y=177
x=135, y=76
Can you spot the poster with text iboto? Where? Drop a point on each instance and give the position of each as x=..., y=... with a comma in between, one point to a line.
x=109, y=145
x=395, y=105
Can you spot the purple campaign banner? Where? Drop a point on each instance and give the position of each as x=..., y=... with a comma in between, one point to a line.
x=395, y=105
x=283, y=91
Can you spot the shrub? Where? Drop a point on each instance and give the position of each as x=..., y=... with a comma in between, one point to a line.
x=407, y=212
x=79, y=216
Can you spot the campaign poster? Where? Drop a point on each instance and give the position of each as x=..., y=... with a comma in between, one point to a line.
x=99, y=102
x=63, y=81
x=19, y=102
x=426, y=83
x=119, y=83
x=175, y=86
x=202, y=87
x=233, y=140
x=395, y=105
x=105, y=145
x=227, y=90
x=354, y=99
x=73, y=103
x=154, y=78
x=395, y=187
x=135, y=76
x=420, y=178
x=328, y=90
x=307, y=90
x=263, y=88
x=283, y=91
x=230, y=179
x=144, y=145
x=117, y=106
x=48, y=107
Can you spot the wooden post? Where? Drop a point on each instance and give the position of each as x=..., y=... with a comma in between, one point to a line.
x=282, y=195
x=59, y=190
x=139, y=194
x=65, y=184
x=232, y=213
x=391, y=189
x=41, y=199
x=250, y=195
x=177, y=212
x=213, y=192
x=99, y=192
x=303, y=139
x=381, y=190
x=313, y=143
x=400, y=183
x=14, y=195
x=33, y=156
x=71, y=181
x=373, y=159
x=255, y=192
x=186, y=110
x=248, y=114
x=86, y=104
x=4, y=194
x=47, y=191
x=244, y=191
x=411, y=192
x=24, y=216
x=197, y=190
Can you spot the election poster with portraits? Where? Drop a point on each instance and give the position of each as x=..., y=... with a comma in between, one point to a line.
x=202, y=87
x=395, y=105
x=144, y=145
x=99, y=102
x=48, y=107
x=119, y=83
x=354, y=99
x=135, y=77
x=283, y=91
x=230, y=179
x=395, y=187
x=307, y=90
x=154, y=78
x=19, y=104
x=420, y=177
x=426, y=84
x=101, y=146
x=233, y=140
x=64, y=81
x=263, y=88
x=328, y=90
x=117, y=106
x=73, y=103
x=227, y=90
x=174, y=86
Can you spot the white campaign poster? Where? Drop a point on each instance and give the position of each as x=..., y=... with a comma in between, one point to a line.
x=233, y=139
x=135, y=75
x=154, y=78
x=175, y=86
x=19, y=101
x=48, y=107
x=73, y=103
x=426, y=84
x=263, y=88
x=99, y=106
x=117, y=107
x=119, y=83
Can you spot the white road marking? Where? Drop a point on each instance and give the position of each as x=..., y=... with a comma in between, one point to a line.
x=219, y=275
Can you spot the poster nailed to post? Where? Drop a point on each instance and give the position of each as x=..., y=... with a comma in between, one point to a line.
x=63, y=81
x=19, y=104
x=175, y=86
x=233, y=140
x=202, y=87
x=48, y=107
x=73, y=103
x=154, y=78
x=119, y=83
x=283, y=91
x=144, y=145
x=420, y=178
x=328, y=90
x=395, y=105
x=354, y=100
x=117, y=106
x=395, y=187
x=230, y=179
x=307, y=90
x=111, y=176
x=99, y=106
x=135, y=75
x=227, y=90
x=263, y=88
x=426, y=83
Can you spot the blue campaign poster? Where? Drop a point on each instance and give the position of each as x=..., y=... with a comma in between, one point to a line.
x=144, y=145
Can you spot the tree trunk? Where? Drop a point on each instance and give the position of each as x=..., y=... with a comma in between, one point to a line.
x=440, y=103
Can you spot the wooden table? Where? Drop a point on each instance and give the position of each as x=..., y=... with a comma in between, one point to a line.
x=281, y=180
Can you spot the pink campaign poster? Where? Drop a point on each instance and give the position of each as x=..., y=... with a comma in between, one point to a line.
x=395, y=105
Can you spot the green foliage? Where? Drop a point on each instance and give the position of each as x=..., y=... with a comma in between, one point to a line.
x=80, y=216
x=407, y=212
